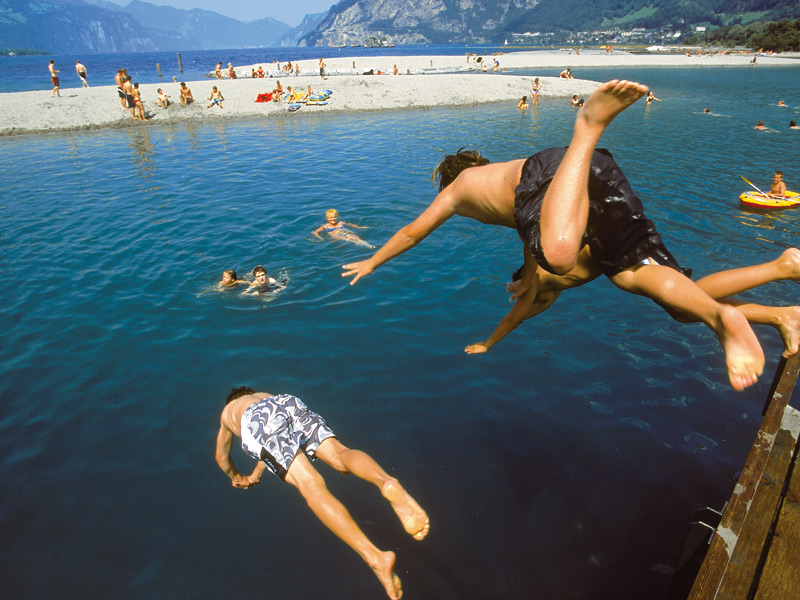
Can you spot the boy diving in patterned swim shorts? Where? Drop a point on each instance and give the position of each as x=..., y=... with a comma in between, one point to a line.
x=283, y=435
x=576, y=213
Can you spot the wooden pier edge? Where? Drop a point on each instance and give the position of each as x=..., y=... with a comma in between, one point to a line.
x=739, y=549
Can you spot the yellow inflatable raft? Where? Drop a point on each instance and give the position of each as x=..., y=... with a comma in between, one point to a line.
x=762, y=201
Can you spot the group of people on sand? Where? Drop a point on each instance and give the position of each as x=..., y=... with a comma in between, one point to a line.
x=131, y=99
x=129, y=96
x=578, y=218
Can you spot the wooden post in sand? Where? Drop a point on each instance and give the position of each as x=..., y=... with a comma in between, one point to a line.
x=158, y=67
x=180, y=64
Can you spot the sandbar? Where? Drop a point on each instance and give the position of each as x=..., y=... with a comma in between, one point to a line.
x=423, y=82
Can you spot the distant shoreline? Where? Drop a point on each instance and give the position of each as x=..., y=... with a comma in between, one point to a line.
x=436, y=81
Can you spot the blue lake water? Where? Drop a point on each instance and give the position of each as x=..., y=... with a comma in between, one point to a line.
x=565, y=463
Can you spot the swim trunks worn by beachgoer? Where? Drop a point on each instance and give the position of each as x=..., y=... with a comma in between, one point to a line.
x=275, y=429
x=618, y=233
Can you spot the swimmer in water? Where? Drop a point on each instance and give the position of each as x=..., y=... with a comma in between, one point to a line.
x=338, y=229
x=229, y=280
x=263, y=284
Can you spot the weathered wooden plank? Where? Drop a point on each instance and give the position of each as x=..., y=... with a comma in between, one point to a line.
x=753, y=539
x=780, y=577
x=712, y=571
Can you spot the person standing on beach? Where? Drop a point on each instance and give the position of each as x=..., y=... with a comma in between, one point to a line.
x=561, y=200
x=282, y=433
x=119, y=78
x=218, y=70
x=54, y=79
x=81, y=71
x=322, y=66
x=127, y=88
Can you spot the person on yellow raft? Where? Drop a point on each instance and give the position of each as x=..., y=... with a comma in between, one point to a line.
x=556, y=200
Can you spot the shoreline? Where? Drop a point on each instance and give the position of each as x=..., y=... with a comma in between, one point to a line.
x=435, y=81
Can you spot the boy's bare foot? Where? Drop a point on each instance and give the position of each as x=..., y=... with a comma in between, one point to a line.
x=743, y=354
x=384, y=571
x=788, y=326
x=607, y=101
x=415, y=521
x=789, y=263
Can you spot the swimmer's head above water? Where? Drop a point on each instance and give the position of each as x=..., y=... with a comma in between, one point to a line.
x=452, y=165
x=332, y=213
x=228, y=277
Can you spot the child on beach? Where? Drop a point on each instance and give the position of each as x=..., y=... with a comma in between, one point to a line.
x=186, y=95
x=338, y=229
x=536, y=88
x=163, y=99
x=562, y=200
x=215, y=97
x=229, y=280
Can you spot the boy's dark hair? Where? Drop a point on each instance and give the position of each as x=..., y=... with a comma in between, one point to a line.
x=259, y=269
x=452, y=165
x=238, y=393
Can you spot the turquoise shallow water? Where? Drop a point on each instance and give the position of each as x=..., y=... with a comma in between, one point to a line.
x=565, y=463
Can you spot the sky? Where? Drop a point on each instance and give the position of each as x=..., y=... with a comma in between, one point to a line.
x=290, y=12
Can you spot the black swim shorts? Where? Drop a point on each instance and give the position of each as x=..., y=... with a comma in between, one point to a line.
x=618, y=233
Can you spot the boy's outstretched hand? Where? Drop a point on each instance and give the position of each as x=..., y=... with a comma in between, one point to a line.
x=359, y=269
x=478, y=348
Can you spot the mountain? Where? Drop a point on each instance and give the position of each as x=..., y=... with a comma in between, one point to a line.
x=76, y=26
x=482, y=21
x=213, y=31
x=72, y=26
x=292, y=37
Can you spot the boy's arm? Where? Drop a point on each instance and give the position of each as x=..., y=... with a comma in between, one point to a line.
x=528, y=305
x=442, y=208
x=223, y=456
x=258, y=471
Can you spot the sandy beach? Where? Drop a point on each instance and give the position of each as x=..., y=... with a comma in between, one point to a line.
x=422, y=82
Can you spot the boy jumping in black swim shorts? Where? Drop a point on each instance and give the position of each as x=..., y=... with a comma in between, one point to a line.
x=564, y=204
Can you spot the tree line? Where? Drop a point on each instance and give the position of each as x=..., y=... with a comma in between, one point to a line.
x=775, y=36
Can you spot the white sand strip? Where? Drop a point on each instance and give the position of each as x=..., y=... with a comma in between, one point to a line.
x=99, y=107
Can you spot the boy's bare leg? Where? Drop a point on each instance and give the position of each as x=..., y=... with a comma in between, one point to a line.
x=786, y=319
x=735, y=281
x=676, y=292
x=565, y=207
x=337, y=518
x=346, y=460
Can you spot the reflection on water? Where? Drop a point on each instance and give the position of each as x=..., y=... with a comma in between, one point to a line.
x=549, y=464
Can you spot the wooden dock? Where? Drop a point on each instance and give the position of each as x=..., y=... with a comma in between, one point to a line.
x=753, y=551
